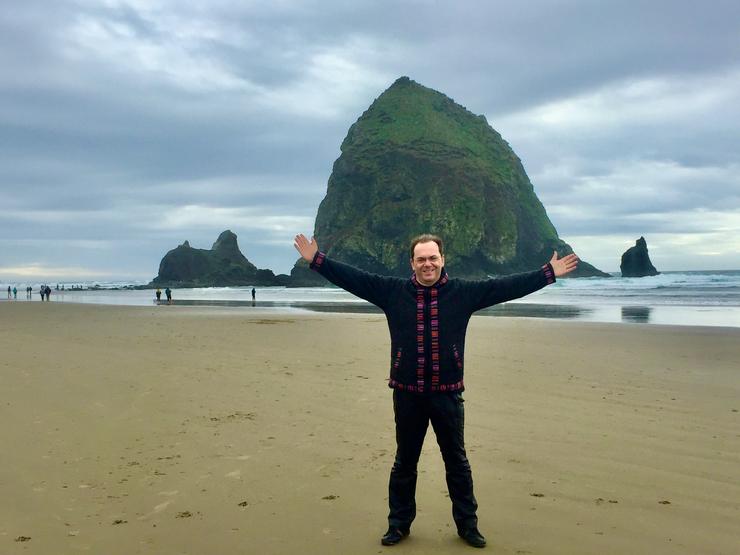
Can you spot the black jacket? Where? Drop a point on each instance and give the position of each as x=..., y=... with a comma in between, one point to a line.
x=428, y=324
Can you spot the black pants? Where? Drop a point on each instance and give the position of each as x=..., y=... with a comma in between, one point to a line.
x=447, y=415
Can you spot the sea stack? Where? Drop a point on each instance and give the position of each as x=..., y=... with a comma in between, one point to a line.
x=636, y=262
x=417, y=162
x=223, y=265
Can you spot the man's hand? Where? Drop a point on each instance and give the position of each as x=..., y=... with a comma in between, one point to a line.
x=565, y=265
x=308, y=249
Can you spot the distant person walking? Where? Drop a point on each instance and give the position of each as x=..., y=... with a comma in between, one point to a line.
x=42, y=292
x=254, y=294
x=15, y=293
x=48, y=293
x=158, y=293
x=8, y=291
x=168, y=292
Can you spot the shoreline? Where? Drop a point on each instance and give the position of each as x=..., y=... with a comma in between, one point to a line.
x=210, y=430
x=669, y=315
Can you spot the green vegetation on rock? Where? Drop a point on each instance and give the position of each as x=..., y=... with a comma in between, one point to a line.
x=416, y=162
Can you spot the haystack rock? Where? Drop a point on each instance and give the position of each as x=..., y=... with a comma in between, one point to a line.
x=416, y=162
x=636, y=261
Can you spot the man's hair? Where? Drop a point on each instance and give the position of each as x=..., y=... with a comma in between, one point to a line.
x=426, y=238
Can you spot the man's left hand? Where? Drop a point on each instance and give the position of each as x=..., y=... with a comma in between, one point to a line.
x=565, y=265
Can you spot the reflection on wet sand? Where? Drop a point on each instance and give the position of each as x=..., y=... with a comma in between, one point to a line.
x=315, y=306
x=535, y=310
x=636, y=314
x=529, y=310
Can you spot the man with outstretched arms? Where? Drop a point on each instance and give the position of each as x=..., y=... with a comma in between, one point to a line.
x=428, y=316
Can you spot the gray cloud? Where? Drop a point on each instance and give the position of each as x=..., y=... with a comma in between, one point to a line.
x=127, y=127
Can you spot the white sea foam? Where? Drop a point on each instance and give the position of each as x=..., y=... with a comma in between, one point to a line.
x=692, y=298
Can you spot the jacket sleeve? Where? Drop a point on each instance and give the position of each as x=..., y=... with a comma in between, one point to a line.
x=371, y=287
x=489, y=292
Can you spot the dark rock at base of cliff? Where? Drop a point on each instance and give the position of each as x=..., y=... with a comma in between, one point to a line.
x=636, y=262
x=221, y=266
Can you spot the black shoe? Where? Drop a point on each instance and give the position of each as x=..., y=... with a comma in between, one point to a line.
x=394, y=535
x=472, y=536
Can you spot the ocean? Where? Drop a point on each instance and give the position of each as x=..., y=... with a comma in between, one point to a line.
x=697, y=298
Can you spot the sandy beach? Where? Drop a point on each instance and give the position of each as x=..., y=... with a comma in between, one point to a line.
x=191, y=430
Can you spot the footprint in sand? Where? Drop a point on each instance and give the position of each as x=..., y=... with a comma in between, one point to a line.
x=236, y=474
x=157, y=509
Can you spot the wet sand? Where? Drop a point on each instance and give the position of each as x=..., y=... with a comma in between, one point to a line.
x=222, y=431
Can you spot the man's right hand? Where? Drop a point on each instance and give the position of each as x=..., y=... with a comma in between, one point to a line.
x=308, y=249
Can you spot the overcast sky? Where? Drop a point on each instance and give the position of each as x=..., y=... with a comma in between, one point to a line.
x=127, y=127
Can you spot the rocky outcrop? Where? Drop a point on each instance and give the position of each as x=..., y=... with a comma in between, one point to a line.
x=636, y=262
x=416, y=162
x=222, y=265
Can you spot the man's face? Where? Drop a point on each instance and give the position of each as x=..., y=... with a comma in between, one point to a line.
x=427, y=263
